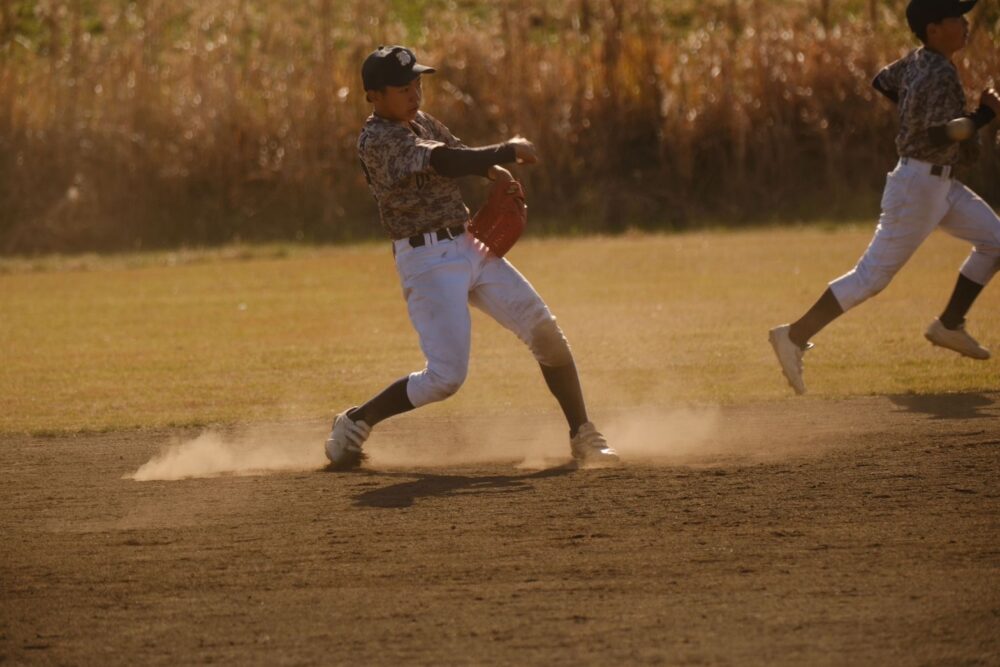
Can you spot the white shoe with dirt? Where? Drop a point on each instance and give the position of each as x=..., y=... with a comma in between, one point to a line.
x=957, y=340
x=343, y=446
x=591, y=449
x=789, y=356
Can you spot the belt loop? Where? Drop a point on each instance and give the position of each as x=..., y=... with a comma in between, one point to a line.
x=443, y=234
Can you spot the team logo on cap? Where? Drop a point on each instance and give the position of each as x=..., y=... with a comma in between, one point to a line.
x=404, y=58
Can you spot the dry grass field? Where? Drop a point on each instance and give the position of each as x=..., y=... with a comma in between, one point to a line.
x=188, y=339
x=163, y=499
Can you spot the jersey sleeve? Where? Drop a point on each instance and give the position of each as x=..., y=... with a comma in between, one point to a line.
x=442, y=132
x=392, y=157
x=889, y=79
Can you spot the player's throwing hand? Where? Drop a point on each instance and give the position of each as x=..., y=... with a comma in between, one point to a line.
x=991, y=99
x=524, y=150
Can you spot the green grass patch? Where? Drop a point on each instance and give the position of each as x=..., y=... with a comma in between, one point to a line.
x=294, y=332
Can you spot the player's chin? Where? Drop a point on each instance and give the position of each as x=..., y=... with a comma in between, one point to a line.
x=412, y=113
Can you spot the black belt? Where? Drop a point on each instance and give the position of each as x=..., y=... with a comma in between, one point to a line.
x=936, y=169
x=442, y=234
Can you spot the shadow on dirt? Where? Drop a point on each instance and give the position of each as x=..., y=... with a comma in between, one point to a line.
x=945, y=406
x=441, y=486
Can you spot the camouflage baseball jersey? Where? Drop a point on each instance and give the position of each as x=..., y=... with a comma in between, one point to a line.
x=929, y=94
x=412, y=198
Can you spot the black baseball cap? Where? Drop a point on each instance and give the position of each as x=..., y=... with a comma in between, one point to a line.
x=921, y=13
x=391, y=66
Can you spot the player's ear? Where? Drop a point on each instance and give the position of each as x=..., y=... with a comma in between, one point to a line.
x=931, y=29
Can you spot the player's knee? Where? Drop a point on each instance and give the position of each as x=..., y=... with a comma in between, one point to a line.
x=871, y=281
x=878, y=282
x=980, y=267
x=445, y=381
x=549, y=345
x=991, y=250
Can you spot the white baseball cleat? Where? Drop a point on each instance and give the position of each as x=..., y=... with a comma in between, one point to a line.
x=789, y=356
x=955, y=339
x=343, y=447
x=591, y=449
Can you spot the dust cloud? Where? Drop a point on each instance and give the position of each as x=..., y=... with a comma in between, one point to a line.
x=647, y=436
x=668, y=436
x=425, y=443
x=253, y=451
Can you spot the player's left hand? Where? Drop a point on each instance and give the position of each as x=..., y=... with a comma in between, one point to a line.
x=502, y=219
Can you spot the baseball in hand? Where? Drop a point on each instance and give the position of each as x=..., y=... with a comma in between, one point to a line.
x=960, y=129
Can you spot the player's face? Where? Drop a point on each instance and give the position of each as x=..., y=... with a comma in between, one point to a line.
x=949, y=35
x=399, y=103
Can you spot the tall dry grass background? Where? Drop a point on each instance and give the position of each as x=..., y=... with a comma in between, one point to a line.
x=161, y=123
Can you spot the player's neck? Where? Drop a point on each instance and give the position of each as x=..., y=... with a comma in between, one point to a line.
x=391, y=119
x=940, y=50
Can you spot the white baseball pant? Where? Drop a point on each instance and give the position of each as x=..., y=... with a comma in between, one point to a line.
x=440, y=279
x=914, y=203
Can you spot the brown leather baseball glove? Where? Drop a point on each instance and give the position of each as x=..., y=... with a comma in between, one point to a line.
x=501, y=220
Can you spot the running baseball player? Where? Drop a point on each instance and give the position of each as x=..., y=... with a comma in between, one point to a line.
x=412, y=161
x=935, y=134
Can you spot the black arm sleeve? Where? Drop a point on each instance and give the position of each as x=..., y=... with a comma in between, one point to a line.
x=981, y=117
x=455, y=162
x=881, y=87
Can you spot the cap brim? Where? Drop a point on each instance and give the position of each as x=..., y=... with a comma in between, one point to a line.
x=410, y=75
x=964, y=6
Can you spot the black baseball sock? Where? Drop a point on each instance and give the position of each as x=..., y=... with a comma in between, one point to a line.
x=564, y=383
x=961, y=300
x=824, y=311
x=391, y=401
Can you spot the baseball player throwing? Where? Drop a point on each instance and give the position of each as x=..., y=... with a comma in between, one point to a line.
x=921, y=193
x=411, y=161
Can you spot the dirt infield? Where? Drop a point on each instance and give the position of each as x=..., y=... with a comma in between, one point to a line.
x=864, y=531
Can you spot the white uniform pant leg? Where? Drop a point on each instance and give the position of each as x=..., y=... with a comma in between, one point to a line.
x=436, y=286
x=912, y=206
x=500, y=291
x=972, y=219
